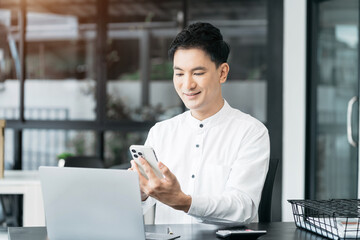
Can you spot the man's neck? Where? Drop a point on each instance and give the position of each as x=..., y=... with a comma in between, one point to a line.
x=199, y=115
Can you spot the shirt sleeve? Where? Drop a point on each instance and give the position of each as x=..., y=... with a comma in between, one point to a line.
x=147, y=204
x=150, y=139
x=240, y=200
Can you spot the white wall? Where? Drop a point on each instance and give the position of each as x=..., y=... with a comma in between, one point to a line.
x=294, y=104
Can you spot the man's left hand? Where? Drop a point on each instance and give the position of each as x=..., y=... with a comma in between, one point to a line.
x=167, y=190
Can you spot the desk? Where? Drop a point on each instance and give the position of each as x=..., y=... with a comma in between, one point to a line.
x=276, y=231
x=28, y=184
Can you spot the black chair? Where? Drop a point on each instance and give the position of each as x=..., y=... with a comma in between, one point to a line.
x=11, y=205
x=84, y=161
x=264, y=211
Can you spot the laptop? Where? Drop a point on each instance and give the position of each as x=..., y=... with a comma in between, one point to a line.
x=85, y=203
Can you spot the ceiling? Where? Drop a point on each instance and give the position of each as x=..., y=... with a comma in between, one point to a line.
x=124, y=11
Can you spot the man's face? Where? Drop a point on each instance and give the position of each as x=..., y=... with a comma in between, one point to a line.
x=198, y=82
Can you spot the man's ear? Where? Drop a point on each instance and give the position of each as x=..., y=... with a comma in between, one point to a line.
x=224, y=71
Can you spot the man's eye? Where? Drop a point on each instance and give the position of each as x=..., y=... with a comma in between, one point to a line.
x=179, y=74
x=198, y=74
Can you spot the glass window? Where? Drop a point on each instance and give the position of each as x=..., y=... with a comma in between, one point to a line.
x=162, y=93
x=336, y=83
x=42, y=147
x=60, y=81
x=61, y=63
x=123, y=85
x=9, y=65
x=139, y=84
x=9, y=149
x=117, y=147
x=243, y=24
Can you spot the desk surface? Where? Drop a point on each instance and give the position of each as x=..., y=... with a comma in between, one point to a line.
x=26, y=183
x=15, y=177
x=275, y=231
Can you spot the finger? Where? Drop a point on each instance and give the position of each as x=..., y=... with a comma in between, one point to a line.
x=131, y=168
x=132, y=163
x=165, y=171
x=142, y=178
x=148, y=170
x=143, y=181
x=135, y=166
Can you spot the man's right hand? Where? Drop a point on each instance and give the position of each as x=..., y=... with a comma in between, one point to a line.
x=166, y=190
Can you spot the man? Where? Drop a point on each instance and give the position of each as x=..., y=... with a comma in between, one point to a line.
x=214, y=158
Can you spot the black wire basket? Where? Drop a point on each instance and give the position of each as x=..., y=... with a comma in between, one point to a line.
x=334, y=219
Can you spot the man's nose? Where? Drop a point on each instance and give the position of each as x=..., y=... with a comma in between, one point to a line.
x=189, y=82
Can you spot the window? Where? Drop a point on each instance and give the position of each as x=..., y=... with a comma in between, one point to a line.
x=9, y=66
x=100, y=74
x=244, y=27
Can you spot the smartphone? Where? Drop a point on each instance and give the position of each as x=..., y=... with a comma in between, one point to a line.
x=149, y=155
x=240, y=233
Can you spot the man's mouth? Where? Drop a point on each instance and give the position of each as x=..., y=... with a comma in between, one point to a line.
x=191, y=94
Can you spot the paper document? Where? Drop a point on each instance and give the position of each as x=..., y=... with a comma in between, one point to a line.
x=338, y=227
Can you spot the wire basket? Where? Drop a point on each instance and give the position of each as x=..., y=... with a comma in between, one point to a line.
x=334, y=219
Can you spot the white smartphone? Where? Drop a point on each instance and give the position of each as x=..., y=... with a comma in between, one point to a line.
x=149, y=155
x=240, y=233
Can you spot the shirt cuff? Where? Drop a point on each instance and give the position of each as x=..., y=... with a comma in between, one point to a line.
x=198, y=206
x=147, y=204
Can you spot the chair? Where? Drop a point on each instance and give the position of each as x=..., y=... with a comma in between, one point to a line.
x=264, y=211
x=83, y=161
x=10, y=205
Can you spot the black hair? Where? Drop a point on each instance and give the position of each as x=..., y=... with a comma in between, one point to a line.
x=205, y=37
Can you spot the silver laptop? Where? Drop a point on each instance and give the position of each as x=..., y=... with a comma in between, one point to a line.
x=85, y=203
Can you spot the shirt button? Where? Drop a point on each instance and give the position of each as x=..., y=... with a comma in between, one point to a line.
x=193, y=176
x=197, y=145
x=201, y=125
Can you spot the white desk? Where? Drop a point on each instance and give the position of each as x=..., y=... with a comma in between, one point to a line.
x=28, y=184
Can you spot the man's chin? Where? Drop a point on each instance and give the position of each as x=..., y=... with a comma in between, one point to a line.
x=191, y=106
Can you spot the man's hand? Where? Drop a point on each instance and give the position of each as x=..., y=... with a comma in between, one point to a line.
x=167, y=190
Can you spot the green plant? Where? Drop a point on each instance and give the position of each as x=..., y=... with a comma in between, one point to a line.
x=159, y=71
x=64, y=155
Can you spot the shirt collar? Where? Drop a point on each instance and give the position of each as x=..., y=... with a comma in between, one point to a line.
x=210, y=121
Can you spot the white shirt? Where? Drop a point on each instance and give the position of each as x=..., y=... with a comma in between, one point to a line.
x=221, y=162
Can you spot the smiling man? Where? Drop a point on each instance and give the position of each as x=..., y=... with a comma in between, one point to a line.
x=214, y=158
